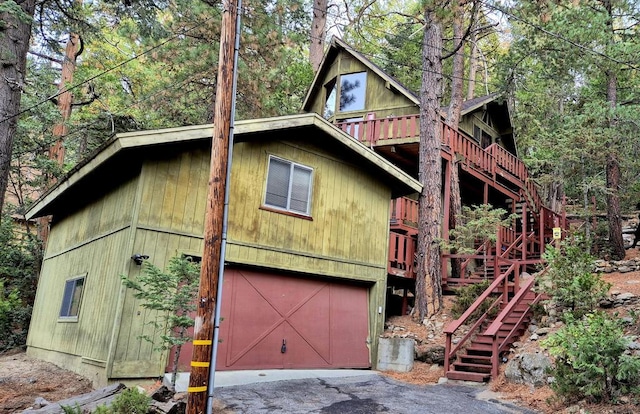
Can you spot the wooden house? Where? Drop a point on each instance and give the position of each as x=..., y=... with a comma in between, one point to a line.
x=361, y=99
x=306, y=254
x=307, y=274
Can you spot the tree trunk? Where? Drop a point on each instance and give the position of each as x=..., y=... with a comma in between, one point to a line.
x=453, y=120
x=613, y=174
x=318, y=33
x=428, y=278
x=15, y=32
x=612, y=168
x=473, y=58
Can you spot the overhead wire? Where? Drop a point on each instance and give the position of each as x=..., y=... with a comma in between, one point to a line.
x=335, y=15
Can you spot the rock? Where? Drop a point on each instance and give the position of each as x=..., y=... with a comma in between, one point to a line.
x=542, y=331
x=517, y=344
x=442, y=380
x=626, y=296
x=605, y=303
x=608, y=269
x=534, y=337
x=625, y=269
x=533, y=328
x=40, y=402
x=162, y=394
x=626, y=320
x=633, y=346
x=528, y=368
x=430, y=354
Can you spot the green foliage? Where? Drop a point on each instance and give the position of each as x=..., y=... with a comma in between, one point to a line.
x=130, y=401
x=570, y=280
x=480, y=223
x=171, y=295
x=102, y=409
x=19, y=264
x=67, y=409
x=466, y=295
x=590, y=360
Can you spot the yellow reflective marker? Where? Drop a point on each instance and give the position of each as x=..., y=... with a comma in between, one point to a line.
x=197, y=389
x=202, y=341
x=199, y=364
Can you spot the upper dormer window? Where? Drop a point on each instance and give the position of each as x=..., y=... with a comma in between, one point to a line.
x=352, y=91
x=351, y=94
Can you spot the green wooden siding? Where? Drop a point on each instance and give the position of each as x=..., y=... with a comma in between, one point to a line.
x=379, y=98
x=349, y=222
x=102, y=261
x=91, y=240
x=113, y=211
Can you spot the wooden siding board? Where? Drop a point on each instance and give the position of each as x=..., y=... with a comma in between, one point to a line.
x=346, y=206
x=90, y=335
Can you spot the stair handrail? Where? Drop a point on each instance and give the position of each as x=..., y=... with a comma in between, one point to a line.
x=453, y=326
x=494, y=327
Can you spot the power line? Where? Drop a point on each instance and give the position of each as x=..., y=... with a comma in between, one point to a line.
x=111, y=69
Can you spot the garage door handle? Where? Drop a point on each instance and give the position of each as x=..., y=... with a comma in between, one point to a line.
x=283, y=349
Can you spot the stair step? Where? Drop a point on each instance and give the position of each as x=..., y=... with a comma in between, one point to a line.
x=479, y=349
x=474, y=358
x=468, y=376
x=472, y=367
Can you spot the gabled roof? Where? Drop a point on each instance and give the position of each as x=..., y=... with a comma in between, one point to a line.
x=129, y=146
x=337, y=45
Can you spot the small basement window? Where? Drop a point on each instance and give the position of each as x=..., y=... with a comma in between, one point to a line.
x=72, y=297
x=288, y=186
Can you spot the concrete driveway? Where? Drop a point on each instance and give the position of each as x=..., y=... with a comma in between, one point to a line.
x=366, y=392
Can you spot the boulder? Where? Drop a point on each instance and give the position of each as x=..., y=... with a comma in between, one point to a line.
x=430, y=354
x=528, y=368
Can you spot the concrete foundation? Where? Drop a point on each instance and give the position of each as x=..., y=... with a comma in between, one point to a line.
x=395, y=354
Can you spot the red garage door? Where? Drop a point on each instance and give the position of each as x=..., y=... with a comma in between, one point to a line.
x=276, y=321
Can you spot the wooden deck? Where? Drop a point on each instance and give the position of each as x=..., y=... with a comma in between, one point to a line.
x=397, y=138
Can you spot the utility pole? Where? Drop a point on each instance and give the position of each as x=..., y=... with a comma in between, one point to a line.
x=212, y=264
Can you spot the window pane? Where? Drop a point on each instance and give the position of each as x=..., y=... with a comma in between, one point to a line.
x=278, y=183
x=352, y=91
x=300, y=189
x=72, y=297
x=330, y=103
x=66, y=298
x=77, y=296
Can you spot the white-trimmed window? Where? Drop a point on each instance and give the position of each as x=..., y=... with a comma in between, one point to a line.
x=288, y=186
x=72, y=297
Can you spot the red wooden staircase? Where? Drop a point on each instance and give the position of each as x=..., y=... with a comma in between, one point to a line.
x=476, y=357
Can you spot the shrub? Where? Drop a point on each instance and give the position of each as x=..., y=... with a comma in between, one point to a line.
x=590, y=360
x=19, y=264
x=131, y=401
x=570, y=280
x=466, y=295
x=171, y=293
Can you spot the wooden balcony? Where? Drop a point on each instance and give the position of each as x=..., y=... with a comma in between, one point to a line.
x=397, y=138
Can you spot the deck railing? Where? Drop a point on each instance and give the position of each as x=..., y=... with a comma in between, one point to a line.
x=404, y=211
x=492, y=161
x=402, y=248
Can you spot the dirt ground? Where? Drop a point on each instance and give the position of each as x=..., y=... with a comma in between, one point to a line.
x=23, y=379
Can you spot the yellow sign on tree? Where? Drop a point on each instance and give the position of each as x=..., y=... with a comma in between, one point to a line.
x=557, y=233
